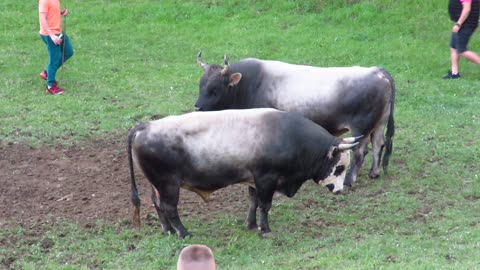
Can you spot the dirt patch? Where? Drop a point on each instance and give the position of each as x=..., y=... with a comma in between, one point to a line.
x=84, y=183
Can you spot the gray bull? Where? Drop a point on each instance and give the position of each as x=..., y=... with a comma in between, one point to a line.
x=269, y=150
x=356, y=99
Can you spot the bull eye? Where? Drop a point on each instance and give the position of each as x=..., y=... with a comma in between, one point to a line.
x=212, y=92
x=339, y=170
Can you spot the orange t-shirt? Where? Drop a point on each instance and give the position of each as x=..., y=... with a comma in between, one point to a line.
x=54, y=19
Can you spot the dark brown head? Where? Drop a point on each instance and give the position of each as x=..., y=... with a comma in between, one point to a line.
x=215, y=85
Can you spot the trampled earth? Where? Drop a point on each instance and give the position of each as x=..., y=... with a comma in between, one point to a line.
x=84, y=183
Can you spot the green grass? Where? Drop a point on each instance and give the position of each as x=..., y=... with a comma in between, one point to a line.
x=134, y=60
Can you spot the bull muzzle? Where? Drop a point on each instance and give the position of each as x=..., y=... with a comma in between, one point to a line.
x=331, y=188
x=335, y=188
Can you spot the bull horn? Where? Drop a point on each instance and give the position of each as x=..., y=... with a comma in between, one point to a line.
x=346, y=146
x=352, y=139
x=225, y=61
x=200, y=61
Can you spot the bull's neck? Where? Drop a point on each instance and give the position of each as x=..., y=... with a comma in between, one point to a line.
x=243, y=99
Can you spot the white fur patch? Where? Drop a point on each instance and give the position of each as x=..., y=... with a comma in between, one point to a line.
x=337, y=181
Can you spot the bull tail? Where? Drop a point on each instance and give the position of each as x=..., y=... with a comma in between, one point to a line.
x=390, y=125
x=133, y=185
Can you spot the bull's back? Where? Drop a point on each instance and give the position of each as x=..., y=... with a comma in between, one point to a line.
x=216, y=137
x=297, y=85
x=232, y=138
x=255, y=137
x=331, y=97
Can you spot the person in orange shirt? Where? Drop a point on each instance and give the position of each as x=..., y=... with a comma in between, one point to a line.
x=58, y=44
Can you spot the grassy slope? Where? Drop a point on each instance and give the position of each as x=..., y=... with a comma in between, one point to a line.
x=136, y=60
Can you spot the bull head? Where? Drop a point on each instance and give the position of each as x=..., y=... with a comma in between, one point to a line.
x=335, y=181
x=234, y=78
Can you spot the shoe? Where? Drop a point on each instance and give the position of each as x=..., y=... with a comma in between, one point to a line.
x=451, y=76
x=55, y=90
x=43, y=74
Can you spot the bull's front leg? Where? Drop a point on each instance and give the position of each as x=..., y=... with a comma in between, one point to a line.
x=252, y=209
x=265, y=205
x=265, y=188
x=359, y=153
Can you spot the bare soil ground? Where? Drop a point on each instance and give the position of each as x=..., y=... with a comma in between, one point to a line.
x=84, y=183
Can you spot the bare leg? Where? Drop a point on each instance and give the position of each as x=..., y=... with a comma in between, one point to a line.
x=454, y=60
x=470, y=56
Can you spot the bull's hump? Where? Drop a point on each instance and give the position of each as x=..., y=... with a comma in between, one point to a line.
x=250, y=60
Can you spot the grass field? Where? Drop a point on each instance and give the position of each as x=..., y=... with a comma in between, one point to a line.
x=137, y=59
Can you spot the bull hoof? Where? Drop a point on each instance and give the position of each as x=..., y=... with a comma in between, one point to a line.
x=168, y=231
x=266, y=235
x=185, y=235
x=348, y=181
x=373, y=175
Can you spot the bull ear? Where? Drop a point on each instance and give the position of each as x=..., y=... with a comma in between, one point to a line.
x=235, y=79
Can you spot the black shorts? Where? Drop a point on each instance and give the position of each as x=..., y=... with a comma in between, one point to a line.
x=460, y=40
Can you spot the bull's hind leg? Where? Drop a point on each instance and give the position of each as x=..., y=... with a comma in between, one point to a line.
x=378, y=141
x=164, y=223
x=359, y=153
x=252, y=209
x=169, y=197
